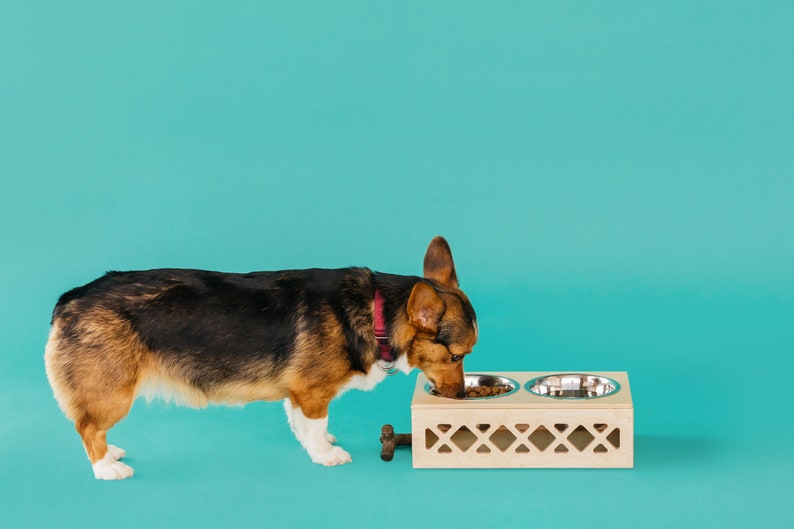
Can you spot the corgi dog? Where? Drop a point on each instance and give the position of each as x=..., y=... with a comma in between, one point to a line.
x=301, y=336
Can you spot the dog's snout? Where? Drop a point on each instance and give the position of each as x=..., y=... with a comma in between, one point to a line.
x=449, y=391
x=448, y=381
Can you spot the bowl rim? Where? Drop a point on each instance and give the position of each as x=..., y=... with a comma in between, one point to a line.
x=611, y=381
x=514, y=383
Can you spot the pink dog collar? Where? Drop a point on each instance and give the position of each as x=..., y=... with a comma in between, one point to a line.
x=381, y=335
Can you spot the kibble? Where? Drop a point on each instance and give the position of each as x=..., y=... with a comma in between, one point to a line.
x=478, y=392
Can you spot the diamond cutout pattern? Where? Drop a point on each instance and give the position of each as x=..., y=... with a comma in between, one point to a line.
x=580, y=437
x=482, y=439
x=614, y=438
x=463, y=438
x=430, y=438
x=502, y=438
x=542, y=438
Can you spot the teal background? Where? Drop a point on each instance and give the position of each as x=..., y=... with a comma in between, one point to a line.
x=615, y=178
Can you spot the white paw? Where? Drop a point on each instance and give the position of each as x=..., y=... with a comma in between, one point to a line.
x=330, y=437
x=116, y=452
x=330, y=457
x=110, y=468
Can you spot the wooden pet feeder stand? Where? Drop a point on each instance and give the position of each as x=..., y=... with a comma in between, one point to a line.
x=546, y=420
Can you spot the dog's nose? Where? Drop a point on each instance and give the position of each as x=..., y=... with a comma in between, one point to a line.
x=461, y=393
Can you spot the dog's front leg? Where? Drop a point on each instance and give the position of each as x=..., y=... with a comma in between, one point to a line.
x=313, y=434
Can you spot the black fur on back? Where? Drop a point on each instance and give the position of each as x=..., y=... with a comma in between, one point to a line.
x=239, y=325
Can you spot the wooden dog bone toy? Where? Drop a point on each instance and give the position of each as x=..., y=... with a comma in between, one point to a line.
x=391, y=440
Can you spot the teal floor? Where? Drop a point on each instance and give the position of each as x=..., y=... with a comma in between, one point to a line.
x=614, y=178
x=710, y=435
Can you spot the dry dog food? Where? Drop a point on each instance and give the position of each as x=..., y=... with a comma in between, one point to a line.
x=478, y=392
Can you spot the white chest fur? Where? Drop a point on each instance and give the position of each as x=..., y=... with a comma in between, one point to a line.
x=375, y=376
x=366, y=381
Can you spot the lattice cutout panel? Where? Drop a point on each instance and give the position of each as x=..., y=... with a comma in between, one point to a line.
x=455, y=434
x=485, y=439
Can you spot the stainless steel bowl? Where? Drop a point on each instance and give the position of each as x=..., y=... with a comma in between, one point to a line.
x=490, y=381
x=572, y=386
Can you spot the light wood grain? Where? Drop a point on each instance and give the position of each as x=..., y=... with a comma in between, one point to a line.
x=523, y=430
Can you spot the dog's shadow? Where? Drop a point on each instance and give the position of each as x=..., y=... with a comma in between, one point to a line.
x=655, y=451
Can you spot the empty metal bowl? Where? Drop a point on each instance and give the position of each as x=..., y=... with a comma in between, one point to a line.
x=572, y=386
x=489, y=383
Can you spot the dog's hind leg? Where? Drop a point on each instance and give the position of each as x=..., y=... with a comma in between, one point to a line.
x=104, y=457
x=94, y=374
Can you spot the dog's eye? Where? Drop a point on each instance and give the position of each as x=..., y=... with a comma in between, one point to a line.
x=455, y=358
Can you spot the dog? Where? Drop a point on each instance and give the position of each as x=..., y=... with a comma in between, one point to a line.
x=301, y=336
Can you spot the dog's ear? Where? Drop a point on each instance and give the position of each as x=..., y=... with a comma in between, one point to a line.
x=425, y=308
x=438, y=263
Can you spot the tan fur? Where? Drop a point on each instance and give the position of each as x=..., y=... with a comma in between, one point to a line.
x=97, y=364
x=96, y=388
x=312, y=387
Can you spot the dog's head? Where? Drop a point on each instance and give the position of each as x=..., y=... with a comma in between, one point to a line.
x=444, y=320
